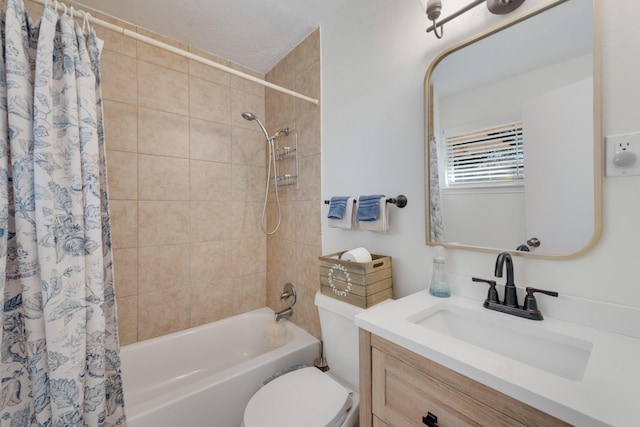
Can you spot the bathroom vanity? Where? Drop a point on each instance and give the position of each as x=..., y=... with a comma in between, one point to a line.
x=451, y=358
x=403, y=387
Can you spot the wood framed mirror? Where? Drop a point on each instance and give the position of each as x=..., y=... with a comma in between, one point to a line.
x=513, y=141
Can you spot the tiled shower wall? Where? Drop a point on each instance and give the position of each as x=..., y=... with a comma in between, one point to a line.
x=293, y=251
x=186, y=180
x=185, y=175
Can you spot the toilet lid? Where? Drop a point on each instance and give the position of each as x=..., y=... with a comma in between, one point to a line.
x=305, y=397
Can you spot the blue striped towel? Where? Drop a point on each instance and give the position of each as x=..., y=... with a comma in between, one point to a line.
x=369, y=207
x=337, y=207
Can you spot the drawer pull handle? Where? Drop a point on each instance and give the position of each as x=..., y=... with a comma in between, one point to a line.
x=430, y=420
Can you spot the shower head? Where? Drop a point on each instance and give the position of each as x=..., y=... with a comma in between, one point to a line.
x=248, y=116
x=251, y=117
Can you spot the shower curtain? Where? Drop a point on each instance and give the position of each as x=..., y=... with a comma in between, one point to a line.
x=58, y=345
x=437, y=221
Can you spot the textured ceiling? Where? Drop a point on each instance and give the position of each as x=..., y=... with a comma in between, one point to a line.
x=254, y=33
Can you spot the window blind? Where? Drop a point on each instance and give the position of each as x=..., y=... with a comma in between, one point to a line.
x=491, y=156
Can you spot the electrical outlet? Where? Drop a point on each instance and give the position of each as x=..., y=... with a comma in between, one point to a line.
x=623, y=154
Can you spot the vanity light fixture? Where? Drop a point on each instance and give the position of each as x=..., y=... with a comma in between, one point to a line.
x=433, y=9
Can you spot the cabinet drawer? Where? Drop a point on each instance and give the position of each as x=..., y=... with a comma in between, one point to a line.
x=402, y=395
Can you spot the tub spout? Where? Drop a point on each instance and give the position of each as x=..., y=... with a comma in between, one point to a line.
x=287, y=312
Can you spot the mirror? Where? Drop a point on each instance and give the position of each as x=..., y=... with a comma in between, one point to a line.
x=513, y=136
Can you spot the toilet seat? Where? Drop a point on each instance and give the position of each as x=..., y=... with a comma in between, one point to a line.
x=306, y=397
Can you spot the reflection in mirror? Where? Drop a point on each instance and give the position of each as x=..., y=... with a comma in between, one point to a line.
x=513, y=133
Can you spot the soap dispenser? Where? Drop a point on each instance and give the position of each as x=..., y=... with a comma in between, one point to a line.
x=439, y=286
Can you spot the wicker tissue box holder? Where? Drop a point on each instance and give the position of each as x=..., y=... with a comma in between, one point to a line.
x=361, y=284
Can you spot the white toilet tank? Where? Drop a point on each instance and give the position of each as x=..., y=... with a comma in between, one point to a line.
x=340, y=337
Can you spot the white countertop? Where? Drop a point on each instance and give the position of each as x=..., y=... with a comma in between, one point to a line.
x=608, y=393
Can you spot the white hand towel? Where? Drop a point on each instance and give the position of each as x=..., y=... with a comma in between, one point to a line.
x=380, y=225
x=346, y=221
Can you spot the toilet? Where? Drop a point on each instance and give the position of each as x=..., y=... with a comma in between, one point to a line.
x=309, y=397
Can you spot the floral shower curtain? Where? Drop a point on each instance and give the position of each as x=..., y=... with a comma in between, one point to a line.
x=59, y=346
x=437, y=221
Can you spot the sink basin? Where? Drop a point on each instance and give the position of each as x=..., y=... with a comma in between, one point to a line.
x=559, y=354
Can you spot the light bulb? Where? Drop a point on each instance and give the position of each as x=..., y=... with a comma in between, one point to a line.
x=434, y=7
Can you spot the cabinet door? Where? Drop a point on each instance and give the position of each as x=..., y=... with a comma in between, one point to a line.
x=377, y=422
x=402, y=395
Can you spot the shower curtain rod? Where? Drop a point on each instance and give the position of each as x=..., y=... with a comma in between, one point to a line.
x=184, y=53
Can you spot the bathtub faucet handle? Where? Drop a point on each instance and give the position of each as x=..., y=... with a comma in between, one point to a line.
x=288, y=294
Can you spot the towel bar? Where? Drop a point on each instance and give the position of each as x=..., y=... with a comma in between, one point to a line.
x=400, y=201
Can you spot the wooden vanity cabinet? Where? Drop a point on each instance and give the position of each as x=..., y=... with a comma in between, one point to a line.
x=399, y=387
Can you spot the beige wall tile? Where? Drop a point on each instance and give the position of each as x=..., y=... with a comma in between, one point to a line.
x=243, y=101
x=162, y=133
x=210, y=141
x=211, y=301
x=249, y=147
x=124, y=223
x=281, y=255
x=284, y=73
x=210, y=181
x=209, y=101
x=163, y=89
x=308, y=83
x=309, y=179
x=281, y=107
x=247, y=183
x=249, y=256
x=116, y=42
x=119, y=77
x=305, y=312
x=245, y=219
x=274, y=289
x=162, y=312
x=162, y=57
x=307, y=52
x=163, y=178
x=287, y=227
x=211, y=221
x=127, y=319
x=125, y=268
x=122, y=171
x=211, y=261
x=207, y=72
x=121, y=126
x=249, y=293
x=163, y=223
x=309, y=134
x=163, y=267
x=308, y=224
x=247, y=86
x=306, y=266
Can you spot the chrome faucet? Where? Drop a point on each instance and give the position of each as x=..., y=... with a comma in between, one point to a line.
x=510, y=295
x=289, y=296
x=287, y=312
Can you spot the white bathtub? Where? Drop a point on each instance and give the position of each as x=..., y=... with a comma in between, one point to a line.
x=205, y=376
